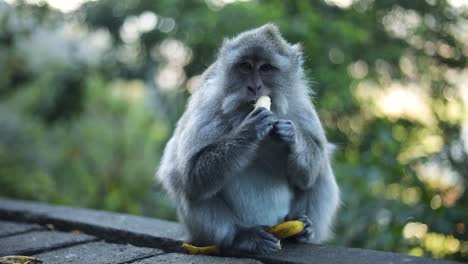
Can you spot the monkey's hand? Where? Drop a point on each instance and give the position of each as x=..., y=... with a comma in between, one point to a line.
x=285, y=131
x=307, y=235
x=258, y=123
x=255, y=240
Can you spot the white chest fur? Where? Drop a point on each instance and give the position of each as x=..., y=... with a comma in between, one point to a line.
x=261, y=198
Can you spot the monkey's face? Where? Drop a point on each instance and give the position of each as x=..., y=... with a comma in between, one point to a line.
x=256, y=63
x=255, y=72
x=255, y=76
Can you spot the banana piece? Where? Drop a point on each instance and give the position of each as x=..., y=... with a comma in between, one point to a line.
x=263, y=101
x=193, y=250
x=286, y=229
x=281, y=231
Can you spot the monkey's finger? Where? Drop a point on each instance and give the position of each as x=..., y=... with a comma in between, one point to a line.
x=285, y=128
x=308, y=229
x=289, y=137
x=306, y=235
x=258, y=111
x=305, y=219
x=282, y=124
x=286, y=136
x=305, y=238
x=264, y=130
x=268, y=249
x=265, y=124
x=266, y=246
x=265, y=115
x=267, y=236
x=285, y=131
x=271, y=119
x=284, y=121
x=267, y=121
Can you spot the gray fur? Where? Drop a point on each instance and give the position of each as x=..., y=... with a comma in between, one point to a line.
x=232, y=170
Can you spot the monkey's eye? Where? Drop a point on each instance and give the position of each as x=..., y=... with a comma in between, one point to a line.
x=245, y=67
x=267, y=68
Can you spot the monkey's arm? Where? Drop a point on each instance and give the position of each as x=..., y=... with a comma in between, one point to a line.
x=317, y=207
x=306, y=140
x=209, y=167
x=307, y=157
x=316, y=195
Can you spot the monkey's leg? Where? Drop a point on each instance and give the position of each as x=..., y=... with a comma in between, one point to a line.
x=211, y=222
x=316, y=207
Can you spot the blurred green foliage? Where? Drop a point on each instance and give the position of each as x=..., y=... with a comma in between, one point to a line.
x=89, y=98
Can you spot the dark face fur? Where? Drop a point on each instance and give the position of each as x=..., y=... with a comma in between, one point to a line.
x=254, y=74
x=256, y=63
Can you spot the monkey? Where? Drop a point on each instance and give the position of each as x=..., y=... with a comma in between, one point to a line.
x=233, y=171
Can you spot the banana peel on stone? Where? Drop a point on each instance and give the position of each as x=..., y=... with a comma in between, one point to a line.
x=19, y=260
x=193, y=250
x=280, y=231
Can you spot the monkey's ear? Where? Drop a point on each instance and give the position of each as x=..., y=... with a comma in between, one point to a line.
x=272, y=30
x=227, y=45
x=297, y=54
x=226, y=42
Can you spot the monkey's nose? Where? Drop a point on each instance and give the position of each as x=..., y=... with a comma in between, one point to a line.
x=254, y=90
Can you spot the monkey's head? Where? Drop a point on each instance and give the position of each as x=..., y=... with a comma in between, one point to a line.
x=259, y=62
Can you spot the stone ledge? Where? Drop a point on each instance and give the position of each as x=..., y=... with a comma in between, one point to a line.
x=324, y=254
x=10, y=228
x=40, y=241
x=153, y=233
x=136, y=230
x=98, y=253
x=175, y=258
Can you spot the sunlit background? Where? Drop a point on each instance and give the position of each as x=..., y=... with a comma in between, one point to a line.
x=90, y=92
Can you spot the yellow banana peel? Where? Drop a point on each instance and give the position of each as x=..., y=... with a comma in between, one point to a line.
x=286, y=229
x=19, y=260
x=280, y=231
x=193, y=250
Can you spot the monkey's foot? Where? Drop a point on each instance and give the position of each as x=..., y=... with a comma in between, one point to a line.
x=307, y=234
x=256, y=240
x=265, y=239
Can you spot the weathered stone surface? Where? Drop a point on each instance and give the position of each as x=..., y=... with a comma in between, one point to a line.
x=97, y=253
x=116, y=227
x=10, y=228
x=310, y=254
x=175, y=258
x=167, y=236
x=38, y=241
